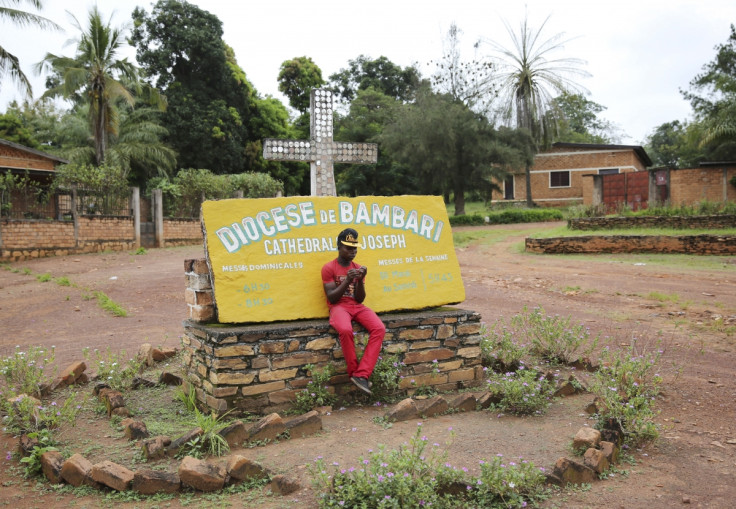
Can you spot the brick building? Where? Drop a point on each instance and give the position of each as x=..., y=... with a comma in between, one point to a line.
x=36, y=166
x=557, y=173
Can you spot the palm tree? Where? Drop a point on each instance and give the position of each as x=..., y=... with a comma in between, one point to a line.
x=96, y=76
x=9, y=63
x=529, y=80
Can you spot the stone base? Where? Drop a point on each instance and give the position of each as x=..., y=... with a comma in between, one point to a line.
x=259, y=368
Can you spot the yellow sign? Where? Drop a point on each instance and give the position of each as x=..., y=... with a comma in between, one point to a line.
x=266, y=255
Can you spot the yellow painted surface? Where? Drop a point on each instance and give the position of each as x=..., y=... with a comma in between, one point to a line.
x=266, y=255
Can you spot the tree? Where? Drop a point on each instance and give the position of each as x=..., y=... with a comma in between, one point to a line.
x=97, y=73
x=370, y=112
x=579, y=121
x=712, y=96
x=529, y=79
x=181, y=50
x=675, y=145
x=12, y=129
x=379, y=74
x=449, y=147
x=470, y=82
x=9, y=63
x=297, y=77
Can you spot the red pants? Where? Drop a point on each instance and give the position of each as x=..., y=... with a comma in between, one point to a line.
x=341, y=318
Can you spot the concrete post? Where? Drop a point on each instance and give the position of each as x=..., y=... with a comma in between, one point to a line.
x=158, y=216
x=135, y=205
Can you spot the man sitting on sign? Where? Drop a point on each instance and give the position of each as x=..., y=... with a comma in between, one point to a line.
x=344, y=286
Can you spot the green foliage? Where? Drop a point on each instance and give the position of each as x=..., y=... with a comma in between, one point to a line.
x=579, y=121
x=210, y=442
x=140, y=251
x=109, y=305
x=210, y=102
x=522, y=392
x=418, y=475
x=101, y=189
x=386, y=376
x=509, y=216
x=187, y=397
x=702, y=208
x=297, y=77
x=183, y=196
x=451, y=149
x=21, y=188
x=552, y=338
x=24, y=414
x=467, y=220
x=316, y=393
x=113, y=369
x=379, y=74
x=43, y=278
x=27, y=370
x=583, y=211
x=628, y=384
x=32, y=462
x=62, y=281
x=733, y=181
x=502, y=349
x=12, y=129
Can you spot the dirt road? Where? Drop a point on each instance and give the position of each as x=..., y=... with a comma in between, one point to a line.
x=625, y=298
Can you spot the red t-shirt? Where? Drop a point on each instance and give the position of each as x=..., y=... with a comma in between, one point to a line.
x=333, y=272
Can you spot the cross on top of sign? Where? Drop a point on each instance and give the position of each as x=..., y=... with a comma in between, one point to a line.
x=321, y=151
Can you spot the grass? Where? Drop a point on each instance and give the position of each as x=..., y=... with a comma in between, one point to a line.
x=663, y=297
x=482, y=236
x=109, y=305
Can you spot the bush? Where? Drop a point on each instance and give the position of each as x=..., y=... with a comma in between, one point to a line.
x=522, y=392
x=627, y=385
x=467, y=220
x=26, y=371
x=101, y=189
x=317, y=392
x=418, y=475
x=552, y=337
x=499, y=348
x=112, y=368
x=510, y=216
x=385, y=377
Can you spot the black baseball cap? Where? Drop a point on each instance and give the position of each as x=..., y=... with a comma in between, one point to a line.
x=349, y=237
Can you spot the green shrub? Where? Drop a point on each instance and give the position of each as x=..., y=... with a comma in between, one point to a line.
x=552, y=337
x=32, y=462
x=113, y=369
x=511, y=216
x=26, y=371
x=316, y=393
x=467, y=220
x=209, y=442
x=522, y=392
x=628, y=385
x=418, y=475
x=386, y=376
x=500, y=349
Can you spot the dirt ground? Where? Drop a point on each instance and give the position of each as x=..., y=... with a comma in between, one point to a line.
x=625, y=298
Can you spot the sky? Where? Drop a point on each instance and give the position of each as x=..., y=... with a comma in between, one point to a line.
x=639, y=54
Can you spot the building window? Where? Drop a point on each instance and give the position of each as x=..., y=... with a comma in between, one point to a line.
x=608, y=171
x=559, y=179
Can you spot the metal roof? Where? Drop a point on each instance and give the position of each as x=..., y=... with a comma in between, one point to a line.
x=638, y=149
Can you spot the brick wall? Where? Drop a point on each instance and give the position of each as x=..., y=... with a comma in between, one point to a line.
x=679, y=222
x=693, y=185
x=260, y=367
x=21, y=239
x=688, y=244
x=182, y=232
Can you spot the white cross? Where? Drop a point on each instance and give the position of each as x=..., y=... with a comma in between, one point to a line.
x=321, y=151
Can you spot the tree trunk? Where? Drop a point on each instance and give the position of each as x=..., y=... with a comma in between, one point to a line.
x=459, y=198
x=529, y=201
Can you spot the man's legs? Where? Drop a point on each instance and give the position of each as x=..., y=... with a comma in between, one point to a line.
x=341, y=321
x=376, y=331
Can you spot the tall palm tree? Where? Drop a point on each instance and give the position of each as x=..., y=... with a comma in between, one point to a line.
x=530, y=78
x=9, y=63
x=97, y=76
